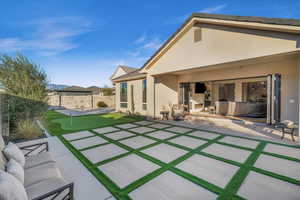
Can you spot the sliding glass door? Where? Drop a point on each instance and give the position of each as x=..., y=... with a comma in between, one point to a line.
x=274, y=98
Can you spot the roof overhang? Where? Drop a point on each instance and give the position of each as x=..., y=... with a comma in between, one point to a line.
x=130, y=78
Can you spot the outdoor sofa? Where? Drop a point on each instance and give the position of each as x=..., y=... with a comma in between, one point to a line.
x=42, y=178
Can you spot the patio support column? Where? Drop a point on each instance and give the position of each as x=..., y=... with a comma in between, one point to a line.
x=299, y=100
x=150, y=96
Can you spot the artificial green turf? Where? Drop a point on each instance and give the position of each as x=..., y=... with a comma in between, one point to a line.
x=229, y=192
x=57, y=123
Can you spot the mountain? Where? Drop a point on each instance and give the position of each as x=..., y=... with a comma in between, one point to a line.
x=53, y=86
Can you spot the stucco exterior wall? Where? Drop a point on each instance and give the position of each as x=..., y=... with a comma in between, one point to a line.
x=134, y=87
x=166, y=93
x=79, y=101
x=118, y=73
x=222, y=44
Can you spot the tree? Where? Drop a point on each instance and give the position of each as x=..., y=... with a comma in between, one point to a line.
x=25, y=84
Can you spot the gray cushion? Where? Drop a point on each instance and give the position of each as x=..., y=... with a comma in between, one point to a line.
x=38, y=159
x=2, y=161
x=13, y=151
x=11, y=188
x=44, y=187
x=39, y=173
x=2, y=144
x=15, y=169
x=2, y=157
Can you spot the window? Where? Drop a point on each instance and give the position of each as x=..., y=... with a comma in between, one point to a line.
x=226, y=92
x=255, y=91
x=144, y=94
x=123, y=95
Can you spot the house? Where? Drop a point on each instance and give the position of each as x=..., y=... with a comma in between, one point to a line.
x=122, y=70
x=221, y=64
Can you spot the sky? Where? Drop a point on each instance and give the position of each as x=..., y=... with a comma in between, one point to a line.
x=81, y=42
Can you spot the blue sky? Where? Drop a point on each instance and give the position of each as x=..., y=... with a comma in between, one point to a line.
x=80, y=42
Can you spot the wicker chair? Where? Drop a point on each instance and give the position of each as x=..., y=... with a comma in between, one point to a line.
x=178, y=111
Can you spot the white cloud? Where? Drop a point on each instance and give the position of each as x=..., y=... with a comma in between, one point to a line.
x=140, y=39
x=213, y=9
x=50, y=36
x=145, y=46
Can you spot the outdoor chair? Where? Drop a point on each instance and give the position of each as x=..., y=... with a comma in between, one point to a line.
x=287, y=127
x=178, y=112
x=42, y=178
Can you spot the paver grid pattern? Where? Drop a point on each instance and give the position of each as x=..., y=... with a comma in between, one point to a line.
x=237, y=154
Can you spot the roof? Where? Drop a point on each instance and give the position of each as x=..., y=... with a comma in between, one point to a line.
x=127, y=69
x=132, y=75
x=263, y=20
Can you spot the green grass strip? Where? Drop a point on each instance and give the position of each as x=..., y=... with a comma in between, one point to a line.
x=282, y=156
x=102, y=178
x=236, y=181
x=165, y=166
x=277, y=176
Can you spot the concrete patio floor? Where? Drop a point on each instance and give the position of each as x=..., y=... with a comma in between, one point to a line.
x=86, y=185
x=140, y=160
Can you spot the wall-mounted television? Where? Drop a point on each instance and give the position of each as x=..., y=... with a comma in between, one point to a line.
x=200, y=88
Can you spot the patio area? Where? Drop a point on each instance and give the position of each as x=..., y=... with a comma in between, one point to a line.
x=155, y=160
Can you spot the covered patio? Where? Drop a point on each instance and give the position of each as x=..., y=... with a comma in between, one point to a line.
x=258, y=90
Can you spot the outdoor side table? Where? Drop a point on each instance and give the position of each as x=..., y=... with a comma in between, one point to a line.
x=165, y=115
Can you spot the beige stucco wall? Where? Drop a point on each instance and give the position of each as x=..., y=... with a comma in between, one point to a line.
x=119, y=72
x=79, y=101
x=220, y=45
x=134, y=86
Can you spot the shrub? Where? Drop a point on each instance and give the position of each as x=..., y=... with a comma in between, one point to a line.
x=27, y=129
x=25, y=85
x=101, y=104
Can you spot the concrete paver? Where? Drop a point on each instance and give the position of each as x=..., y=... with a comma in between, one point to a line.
x=137, y=142
x=211, y=170
x=159, y=126
x=77, y=135
x=283, y=150
x=164, y=152
x=161, y=134
x=204, y=134
x=104, y=152
x=177, y=129
x=142, y=130
x=106, y=130
x=128, y=125
x=87, y=142
x=261, y=187
x=119, y=135
x=240, y=142
x=125, y=170
x=169, y=186
x=227, y=152
x=279, y=166
x=188, y=141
